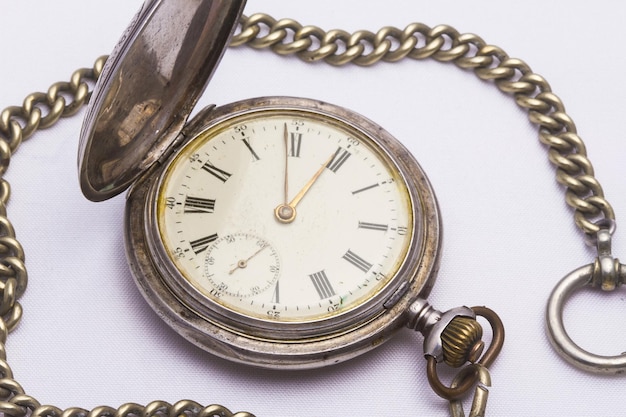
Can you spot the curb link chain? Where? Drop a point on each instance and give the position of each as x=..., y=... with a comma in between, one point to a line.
x=311, y=44
x=468, y=51
x=40, y=111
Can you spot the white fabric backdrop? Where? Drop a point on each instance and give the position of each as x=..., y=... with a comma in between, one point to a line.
x=88, y=338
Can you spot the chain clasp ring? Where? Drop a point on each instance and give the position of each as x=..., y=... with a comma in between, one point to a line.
x=607, y=273
x=481, y=392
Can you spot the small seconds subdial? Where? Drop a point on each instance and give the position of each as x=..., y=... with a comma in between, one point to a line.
x=241, y=265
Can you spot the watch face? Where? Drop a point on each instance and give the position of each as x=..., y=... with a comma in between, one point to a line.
x=284, y=232
x=285, y=215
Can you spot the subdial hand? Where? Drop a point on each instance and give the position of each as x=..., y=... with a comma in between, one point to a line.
x=243, y=263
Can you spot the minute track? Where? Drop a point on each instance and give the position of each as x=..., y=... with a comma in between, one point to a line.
x=322, y=178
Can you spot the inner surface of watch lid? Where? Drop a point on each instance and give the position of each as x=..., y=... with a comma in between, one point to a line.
x=149, y=85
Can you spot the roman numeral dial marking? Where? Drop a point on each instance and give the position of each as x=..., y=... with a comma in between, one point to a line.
x=357, y=261
x=216, y=172
x=276, y=294
x=200, y=245
x=365, y=189
x=373, y=226
x=296, y=144
x=199, y=205
x=322, y=284
x=254, y=154
x=340, y=157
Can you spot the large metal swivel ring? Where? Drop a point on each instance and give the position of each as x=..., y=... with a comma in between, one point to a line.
x=607, y=273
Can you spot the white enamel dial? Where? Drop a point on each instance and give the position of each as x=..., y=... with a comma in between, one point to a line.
x=284, y=216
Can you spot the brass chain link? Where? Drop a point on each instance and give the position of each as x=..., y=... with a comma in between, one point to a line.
x=310, y=43
x=468, y=51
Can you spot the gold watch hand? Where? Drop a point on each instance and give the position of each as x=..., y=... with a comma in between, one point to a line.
x=285, y=135
x=284, y=212
x=309, y=184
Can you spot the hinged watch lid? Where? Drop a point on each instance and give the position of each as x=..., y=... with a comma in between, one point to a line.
x=148, y=87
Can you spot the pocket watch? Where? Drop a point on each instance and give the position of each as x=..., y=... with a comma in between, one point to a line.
x=283, y=233
x=286, y=232
x=279, y=232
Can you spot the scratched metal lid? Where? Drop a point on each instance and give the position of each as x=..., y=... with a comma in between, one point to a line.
x=149, y=85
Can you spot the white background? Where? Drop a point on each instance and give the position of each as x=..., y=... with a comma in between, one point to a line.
x=88, y=338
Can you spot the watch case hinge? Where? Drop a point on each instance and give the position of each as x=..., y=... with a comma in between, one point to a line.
x=188, y=131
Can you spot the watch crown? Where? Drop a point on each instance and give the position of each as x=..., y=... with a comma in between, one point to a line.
x=461, y=341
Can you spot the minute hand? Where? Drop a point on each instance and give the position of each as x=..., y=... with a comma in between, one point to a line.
x=309, y=184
